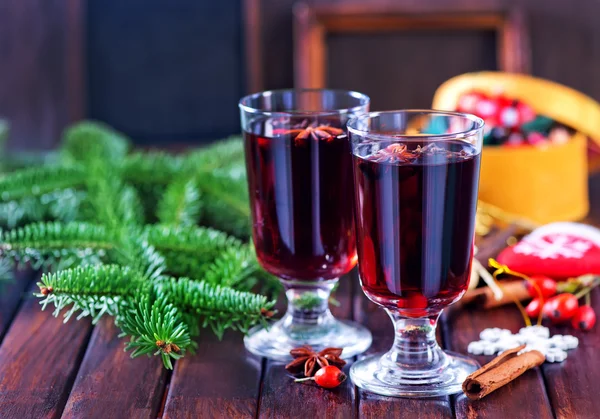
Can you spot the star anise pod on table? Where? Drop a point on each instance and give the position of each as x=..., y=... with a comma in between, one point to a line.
x=309, y=361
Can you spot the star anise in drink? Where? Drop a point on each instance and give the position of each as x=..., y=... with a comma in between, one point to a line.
x=303, y=131
x=308, y=361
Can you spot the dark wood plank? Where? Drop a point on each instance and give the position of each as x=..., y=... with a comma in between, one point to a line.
x=39, y=358
x=282, y=398
x=111, y=384
x=573, y=384
x=523, y=398
x=375, y=406
x=11, y=293
x=220, y=381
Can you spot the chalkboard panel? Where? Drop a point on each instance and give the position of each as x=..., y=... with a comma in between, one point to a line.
x=165, y=71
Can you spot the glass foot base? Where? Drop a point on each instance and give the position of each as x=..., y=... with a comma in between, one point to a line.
x=277, y=341
x=378, y=377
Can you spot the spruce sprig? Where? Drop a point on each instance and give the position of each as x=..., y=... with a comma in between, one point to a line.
x=85, y=217
x=155, y=327
x=217, y=307
x=37, y=181
x=181, y=204
x=189, y=250
x=44, y=244
x=94, y=141
x=91, y=290
x=61, y=205
x=226, y=204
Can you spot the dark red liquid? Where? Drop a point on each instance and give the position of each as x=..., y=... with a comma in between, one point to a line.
x=415, y=223
x=301, y=196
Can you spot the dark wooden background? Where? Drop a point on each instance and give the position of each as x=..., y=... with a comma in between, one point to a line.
x=173, y=71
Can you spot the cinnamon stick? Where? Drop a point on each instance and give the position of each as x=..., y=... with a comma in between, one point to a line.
x=502, y=370
x=484, y=296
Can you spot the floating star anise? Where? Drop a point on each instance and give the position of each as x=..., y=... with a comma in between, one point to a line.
x=306, y=360
x=321, y=132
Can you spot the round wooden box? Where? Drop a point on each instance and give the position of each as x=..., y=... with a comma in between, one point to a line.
x=541, y=184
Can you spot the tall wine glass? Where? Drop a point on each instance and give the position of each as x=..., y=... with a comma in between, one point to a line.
x=300, y=183
x=416, y=175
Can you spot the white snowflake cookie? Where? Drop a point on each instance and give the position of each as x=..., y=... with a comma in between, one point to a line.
x=477, y=347
x=494, y=334
x=555, y=355
x=538, y=331
x=497, y=340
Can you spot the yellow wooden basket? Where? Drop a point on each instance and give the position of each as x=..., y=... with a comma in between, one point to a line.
x=541, y=184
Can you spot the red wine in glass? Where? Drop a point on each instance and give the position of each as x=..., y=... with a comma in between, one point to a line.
x=416, y=177
x=300, y=183
x=415, y=227
x=301, y=197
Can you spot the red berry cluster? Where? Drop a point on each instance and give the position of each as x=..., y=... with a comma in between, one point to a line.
x=561, y=307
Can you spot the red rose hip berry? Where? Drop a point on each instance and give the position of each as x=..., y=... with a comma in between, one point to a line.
x=545, y=285
x=329, y=376
x=584, y=318
x=561, y=307
x=533, y=308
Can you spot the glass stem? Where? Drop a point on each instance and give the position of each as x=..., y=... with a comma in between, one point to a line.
x=308, y=311
x=415, y=346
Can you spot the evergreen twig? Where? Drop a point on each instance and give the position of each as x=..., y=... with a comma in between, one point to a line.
x=85, y=218
x=180, y=204
x=39, y=181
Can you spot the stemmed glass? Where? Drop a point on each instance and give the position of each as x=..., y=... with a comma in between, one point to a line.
x=416, y=176
x=300, y=183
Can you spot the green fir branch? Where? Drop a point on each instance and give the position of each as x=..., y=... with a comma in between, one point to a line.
x=226, y=205
x=92, y=290
x=6, y=272
x=187, y=250
x=223, y=154
x=112, y=263
x=94, y=141
x=154, y=168
x=39, y=181
x=236, y=267
x=155, y=327
x=111, y=202
x=61, y=205
x=43, y=244
x=181, y=204
x=217, y=307
x=134, y=251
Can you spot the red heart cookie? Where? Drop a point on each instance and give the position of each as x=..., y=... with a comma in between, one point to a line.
x=557, y=250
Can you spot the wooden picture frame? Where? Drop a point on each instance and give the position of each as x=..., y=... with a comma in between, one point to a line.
x=313, y=23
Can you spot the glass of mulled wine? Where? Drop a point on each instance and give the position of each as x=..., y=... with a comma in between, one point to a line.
x=416, y=175
x=300, y=183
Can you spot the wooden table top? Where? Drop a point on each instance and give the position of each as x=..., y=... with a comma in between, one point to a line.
x=50, y=370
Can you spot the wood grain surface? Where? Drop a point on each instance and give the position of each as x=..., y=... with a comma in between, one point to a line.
x=49, y=370
x=39, y=358
x=107, y=376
